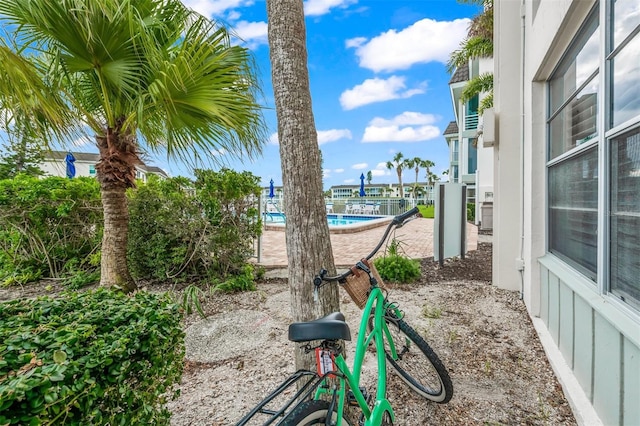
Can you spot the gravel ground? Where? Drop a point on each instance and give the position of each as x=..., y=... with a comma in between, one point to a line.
x=483, y=335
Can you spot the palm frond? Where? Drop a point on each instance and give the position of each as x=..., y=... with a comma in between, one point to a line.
x=473, y=47
x=480, y=84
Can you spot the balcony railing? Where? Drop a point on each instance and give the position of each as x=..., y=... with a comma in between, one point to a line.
x=471, y=122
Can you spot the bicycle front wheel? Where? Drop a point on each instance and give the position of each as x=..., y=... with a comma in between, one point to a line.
x=417, y=364
x=312, y=413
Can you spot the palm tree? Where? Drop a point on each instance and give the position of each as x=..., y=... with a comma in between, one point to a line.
x=417, y=163
x=307, y=232
x=398, y=164
x=369, y=177
x=137, y=73
x=478, y=44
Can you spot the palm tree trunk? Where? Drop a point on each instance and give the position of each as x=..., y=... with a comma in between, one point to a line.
x=114, y=271
x=116, y=173
x=307, y=230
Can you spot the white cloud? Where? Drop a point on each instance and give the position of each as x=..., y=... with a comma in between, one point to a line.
x=325, y=136
x=218, y=152
x=360, y=166
x=339, y=170
x=273, y=139
x=322, y=7
x=211, y=8
x=356, y=42
x=381, y=170
x=425, y=41
x=253, y=33
x=349, y=181
x=406, y=127
x=407, y=118
x=378, y=90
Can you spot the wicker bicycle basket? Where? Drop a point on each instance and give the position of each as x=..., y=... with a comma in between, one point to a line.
x=358, y=285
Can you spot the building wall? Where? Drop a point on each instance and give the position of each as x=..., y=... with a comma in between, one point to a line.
x=597, y=335
x=59, y=168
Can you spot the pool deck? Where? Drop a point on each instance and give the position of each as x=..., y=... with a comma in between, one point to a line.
x=416, y=238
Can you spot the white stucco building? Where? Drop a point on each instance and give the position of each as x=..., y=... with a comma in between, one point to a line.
x=567, y=190
x=470, y=159
x=85, y=164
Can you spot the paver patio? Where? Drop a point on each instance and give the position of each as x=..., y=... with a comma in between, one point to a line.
x=416, y=237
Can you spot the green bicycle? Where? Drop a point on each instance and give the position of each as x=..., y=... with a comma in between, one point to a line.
x=324, y=394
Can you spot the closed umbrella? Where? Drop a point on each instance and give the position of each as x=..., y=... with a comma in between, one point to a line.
x=362, y=193
x=271, y=194
x=71, y=168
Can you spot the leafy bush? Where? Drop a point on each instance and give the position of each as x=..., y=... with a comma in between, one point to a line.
x=471, y=212
x=244, y=281
x=46, y=223
x=397, y=267
x=180, y=228
x=96, y=357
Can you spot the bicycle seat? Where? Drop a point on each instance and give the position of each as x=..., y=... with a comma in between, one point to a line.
x=330, y=327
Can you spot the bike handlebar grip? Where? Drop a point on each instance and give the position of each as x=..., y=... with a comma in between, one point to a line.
x=398, y=220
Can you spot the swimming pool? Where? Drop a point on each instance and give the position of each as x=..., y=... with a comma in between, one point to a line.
x=338, y=223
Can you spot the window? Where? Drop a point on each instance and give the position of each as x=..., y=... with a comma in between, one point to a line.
x=625, y=216
x=92, y=170
x=573, y=154
x=623, y=57
x=594, y=122
x=472, y=156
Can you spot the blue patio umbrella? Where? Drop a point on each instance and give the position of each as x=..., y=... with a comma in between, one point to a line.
x=271, y=194
x=71, y=169
x=362, y=193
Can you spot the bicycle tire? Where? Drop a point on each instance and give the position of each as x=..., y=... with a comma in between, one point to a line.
x=422, y=370
x=311, y=413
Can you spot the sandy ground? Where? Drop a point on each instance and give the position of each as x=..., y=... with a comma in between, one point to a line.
x=483, y=335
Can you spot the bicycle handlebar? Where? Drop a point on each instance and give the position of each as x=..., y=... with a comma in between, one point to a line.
x=396, y=222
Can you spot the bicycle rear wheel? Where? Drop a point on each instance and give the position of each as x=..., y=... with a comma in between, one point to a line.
x=417, y=364
x=313, y=412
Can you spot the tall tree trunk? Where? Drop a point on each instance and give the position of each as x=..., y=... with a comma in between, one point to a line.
x=114, y=271
x=307, y=231
x=116, y=173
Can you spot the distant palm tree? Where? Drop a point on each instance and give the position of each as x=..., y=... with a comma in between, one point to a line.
x=477, y=44
x=369, y=177
x=398, y=164
x=134, y=72
x=417, y=163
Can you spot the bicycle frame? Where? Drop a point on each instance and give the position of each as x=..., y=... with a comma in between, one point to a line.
x=351, y=378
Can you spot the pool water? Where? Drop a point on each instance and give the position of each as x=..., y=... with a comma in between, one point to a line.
x=333, y=219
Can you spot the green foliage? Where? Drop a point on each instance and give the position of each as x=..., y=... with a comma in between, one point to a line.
x=179, y=228
x=427, y=211
x=245, y=281
x=46, y=224
x=166, y=229
x=397, y=267
x=431, y=312
x=98, y=357
x=471, y=212
x=229, y=199
x=20, y=155
x=191, y=296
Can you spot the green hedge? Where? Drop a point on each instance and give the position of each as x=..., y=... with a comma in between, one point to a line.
x=98, y=357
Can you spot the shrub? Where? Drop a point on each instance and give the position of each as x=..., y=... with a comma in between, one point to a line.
x=397, y=268
x=98, y=357
x=471, y=212
x=180, y=228
x=46, y=223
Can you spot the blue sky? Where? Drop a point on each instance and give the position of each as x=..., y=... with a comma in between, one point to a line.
x=378, y=79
